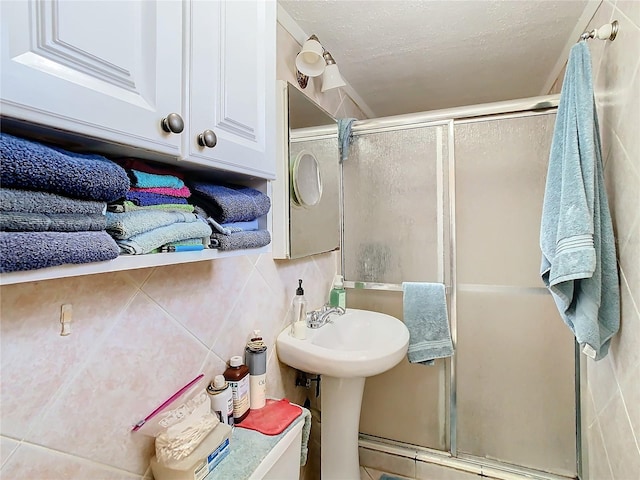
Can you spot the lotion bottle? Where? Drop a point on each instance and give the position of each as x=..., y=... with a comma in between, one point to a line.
x=338, y=296
x=299, y=314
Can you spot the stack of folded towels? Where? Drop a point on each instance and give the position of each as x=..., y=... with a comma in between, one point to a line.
x=154, y=215
x=233, y=212
x=52, y=205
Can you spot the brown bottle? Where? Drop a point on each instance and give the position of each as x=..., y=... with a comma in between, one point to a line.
x=238, y=377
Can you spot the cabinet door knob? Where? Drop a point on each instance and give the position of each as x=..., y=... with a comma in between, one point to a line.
x=207, y=139
x=172, y=123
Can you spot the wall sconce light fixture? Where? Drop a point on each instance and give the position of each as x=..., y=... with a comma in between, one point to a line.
x=312, y=61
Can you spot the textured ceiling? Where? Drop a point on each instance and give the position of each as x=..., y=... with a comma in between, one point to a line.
x=403, y=56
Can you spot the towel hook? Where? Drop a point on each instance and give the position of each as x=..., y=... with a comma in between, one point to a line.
x=607, y=31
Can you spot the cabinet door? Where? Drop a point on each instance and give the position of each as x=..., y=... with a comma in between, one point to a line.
x=106, y=69
x=232, y=85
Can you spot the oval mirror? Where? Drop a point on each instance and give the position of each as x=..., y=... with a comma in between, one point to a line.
x=306, y=180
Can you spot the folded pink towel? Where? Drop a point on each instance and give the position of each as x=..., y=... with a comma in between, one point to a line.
x=173, y=192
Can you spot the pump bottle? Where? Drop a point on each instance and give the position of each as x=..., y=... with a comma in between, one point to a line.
x=299, y=314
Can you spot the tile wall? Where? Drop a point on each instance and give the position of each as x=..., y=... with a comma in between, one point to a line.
x=611, y=420
x=68, y=403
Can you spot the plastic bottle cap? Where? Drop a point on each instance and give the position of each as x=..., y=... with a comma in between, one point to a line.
x=337, y=281
x=300, y=290
x=219, y=381
x=235, y=361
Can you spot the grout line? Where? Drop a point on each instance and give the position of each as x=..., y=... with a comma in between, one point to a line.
x=80, y=459
x=604, y=447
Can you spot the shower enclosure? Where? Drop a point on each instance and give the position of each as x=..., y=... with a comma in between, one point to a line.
x=455, y=197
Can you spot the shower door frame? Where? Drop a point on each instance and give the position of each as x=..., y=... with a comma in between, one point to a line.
x=450, y=117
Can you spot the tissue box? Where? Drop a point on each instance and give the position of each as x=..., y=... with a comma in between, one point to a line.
x=202, y=460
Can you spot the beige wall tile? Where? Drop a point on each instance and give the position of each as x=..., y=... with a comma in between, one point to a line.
x=429, y=471
x=31, y=462
x=146, y=358
x=36, y=360
x=619, y=442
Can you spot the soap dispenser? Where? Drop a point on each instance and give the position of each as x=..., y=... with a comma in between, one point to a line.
x=338, y=296
x=299, y=314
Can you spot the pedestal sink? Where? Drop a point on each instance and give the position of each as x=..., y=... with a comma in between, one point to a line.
x=353, y=346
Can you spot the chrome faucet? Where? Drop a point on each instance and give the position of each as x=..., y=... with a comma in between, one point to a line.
x=317, y=318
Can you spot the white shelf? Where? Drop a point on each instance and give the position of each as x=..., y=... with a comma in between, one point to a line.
x=124, y=262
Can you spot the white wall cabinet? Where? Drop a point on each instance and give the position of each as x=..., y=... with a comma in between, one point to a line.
x=113, y=70
x=110, y=70
x=232, y=85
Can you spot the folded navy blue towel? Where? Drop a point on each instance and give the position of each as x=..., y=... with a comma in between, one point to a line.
x=146, y=199
x=34, y=166
x=29, y=201
x=34, y=250
x=51, y=222
x=240, y=240
x=230, y=203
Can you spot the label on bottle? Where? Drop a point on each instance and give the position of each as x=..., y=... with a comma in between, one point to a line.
x=258, y=391
x=223, y=408
x=240, y=391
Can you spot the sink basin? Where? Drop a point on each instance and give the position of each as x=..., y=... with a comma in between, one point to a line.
x=359, y=343
x=353, y=346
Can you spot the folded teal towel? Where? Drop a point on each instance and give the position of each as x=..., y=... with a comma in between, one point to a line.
x=150, y=180
x=425, y=315
x=129, y=224
x=576, y=234
x=148, y=241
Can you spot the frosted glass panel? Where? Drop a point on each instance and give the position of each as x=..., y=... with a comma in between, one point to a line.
x=515, y=381
x=390, y=205
x=501, y=167
x=408, y=402
x=514, y=355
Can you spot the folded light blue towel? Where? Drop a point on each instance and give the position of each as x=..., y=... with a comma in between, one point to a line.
x=33, y=166
x=230, y=203
x=345, y=138
x=34, y=250
x=148, y=241
x=425, y=315
x=576, y=234
x=129, y=224
x=249, y=226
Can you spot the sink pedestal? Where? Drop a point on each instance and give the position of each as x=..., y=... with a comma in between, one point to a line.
x=340, y=403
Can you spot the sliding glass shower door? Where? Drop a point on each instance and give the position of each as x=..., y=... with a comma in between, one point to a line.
x=508, y=394
x=515, y=357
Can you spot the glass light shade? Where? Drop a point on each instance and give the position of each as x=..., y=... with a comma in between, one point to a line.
x=332, y=78
x=310, y=61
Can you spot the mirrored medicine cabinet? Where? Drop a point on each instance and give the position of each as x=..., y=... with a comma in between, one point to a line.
x=306, y=192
